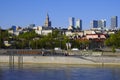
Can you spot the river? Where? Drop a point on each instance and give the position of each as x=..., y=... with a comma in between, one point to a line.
x=60, y=72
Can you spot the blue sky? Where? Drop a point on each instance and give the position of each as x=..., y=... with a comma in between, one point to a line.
x=24, y=12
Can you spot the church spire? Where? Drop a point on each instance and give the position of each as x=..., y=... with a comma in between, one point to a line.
x=47, y=17
x=47, y=22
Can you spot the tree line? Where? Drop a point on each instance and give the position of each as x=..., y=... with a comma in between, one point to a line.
x=32, y=40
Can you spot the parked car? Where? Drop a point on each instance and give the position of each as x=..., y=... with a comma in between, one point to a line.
x=57, y=48
x=97, y=49
x=74, y=49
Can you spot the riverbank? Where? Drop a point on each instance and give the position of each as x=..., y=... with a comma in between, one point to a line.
x=68, y=60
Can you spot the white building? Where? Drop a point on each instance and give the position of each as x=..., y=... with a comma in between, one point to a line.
x=46, y=32
x=38, y=30
x=68, y=33
x=102, y=23
x=79, y=24
x=72, y=21
x=89, y=32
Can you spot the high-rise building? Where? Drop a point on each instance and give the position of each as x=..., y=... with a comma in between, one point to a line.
x=114, y=22
x=94, y=24
x=31, y=25
x=79, y=24
x=47, y=22
x=14, y=28
x=72, y=22
x=102, y=23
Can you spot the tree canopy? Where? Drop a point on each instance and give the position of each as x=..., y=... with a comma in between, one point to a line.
x=114, y=40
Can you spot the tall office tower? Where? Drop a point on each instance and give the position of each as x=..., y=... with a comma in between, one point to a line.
x=14, y=28
x=72, y=22
x=79, y=24
x=94, y=24
x=102, y=23
x=47, y=21
x=114, y=22
x=31, y=25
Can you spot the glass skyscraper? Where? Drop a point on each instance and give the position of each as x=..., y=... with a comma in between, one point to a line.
x=114, y=22
x=101, y=23
x=72, y=22
x=94, y=24
x=79, y=24
x=98, y=24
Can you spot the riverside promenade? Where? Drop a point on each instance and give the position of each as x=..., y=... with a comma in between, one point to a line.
x=93, y=59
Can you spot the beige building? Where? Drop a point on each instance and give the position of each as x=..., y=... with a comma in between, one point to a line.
x=89, y=32
x=46, y=32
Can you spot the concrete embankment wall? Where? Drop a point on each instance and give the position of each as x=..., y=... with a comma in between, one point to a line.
x=113, y=61
x=48, y=59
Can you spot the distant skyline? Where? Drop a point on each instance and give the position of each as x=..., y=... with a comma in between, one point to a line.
x=25, y=12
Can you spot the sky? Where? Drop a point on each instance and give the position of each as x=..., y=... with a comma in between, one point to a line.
x=25, y=12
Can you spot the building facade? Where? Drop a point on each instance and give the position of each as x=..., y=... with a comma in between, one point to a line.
x=102, y=23
x=94, y=24
x=114, y=22
x=72, y=21
x=79, y=24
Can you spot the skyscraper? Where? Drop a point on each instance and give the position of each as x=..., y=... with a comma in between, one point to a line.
x=47, y=21
x=102, y=23
x=79, y=24
x=114, y=22
x=94, y=24
x=72, y=22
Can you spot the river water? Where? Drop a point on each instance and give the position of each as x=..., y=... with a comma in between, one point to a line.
x=60, y=73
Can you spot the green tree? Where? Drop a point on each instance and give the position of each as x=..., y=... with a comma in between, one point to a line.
x=4, y=36
x=113, y=49
x=113, y=40
x=26, y=39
